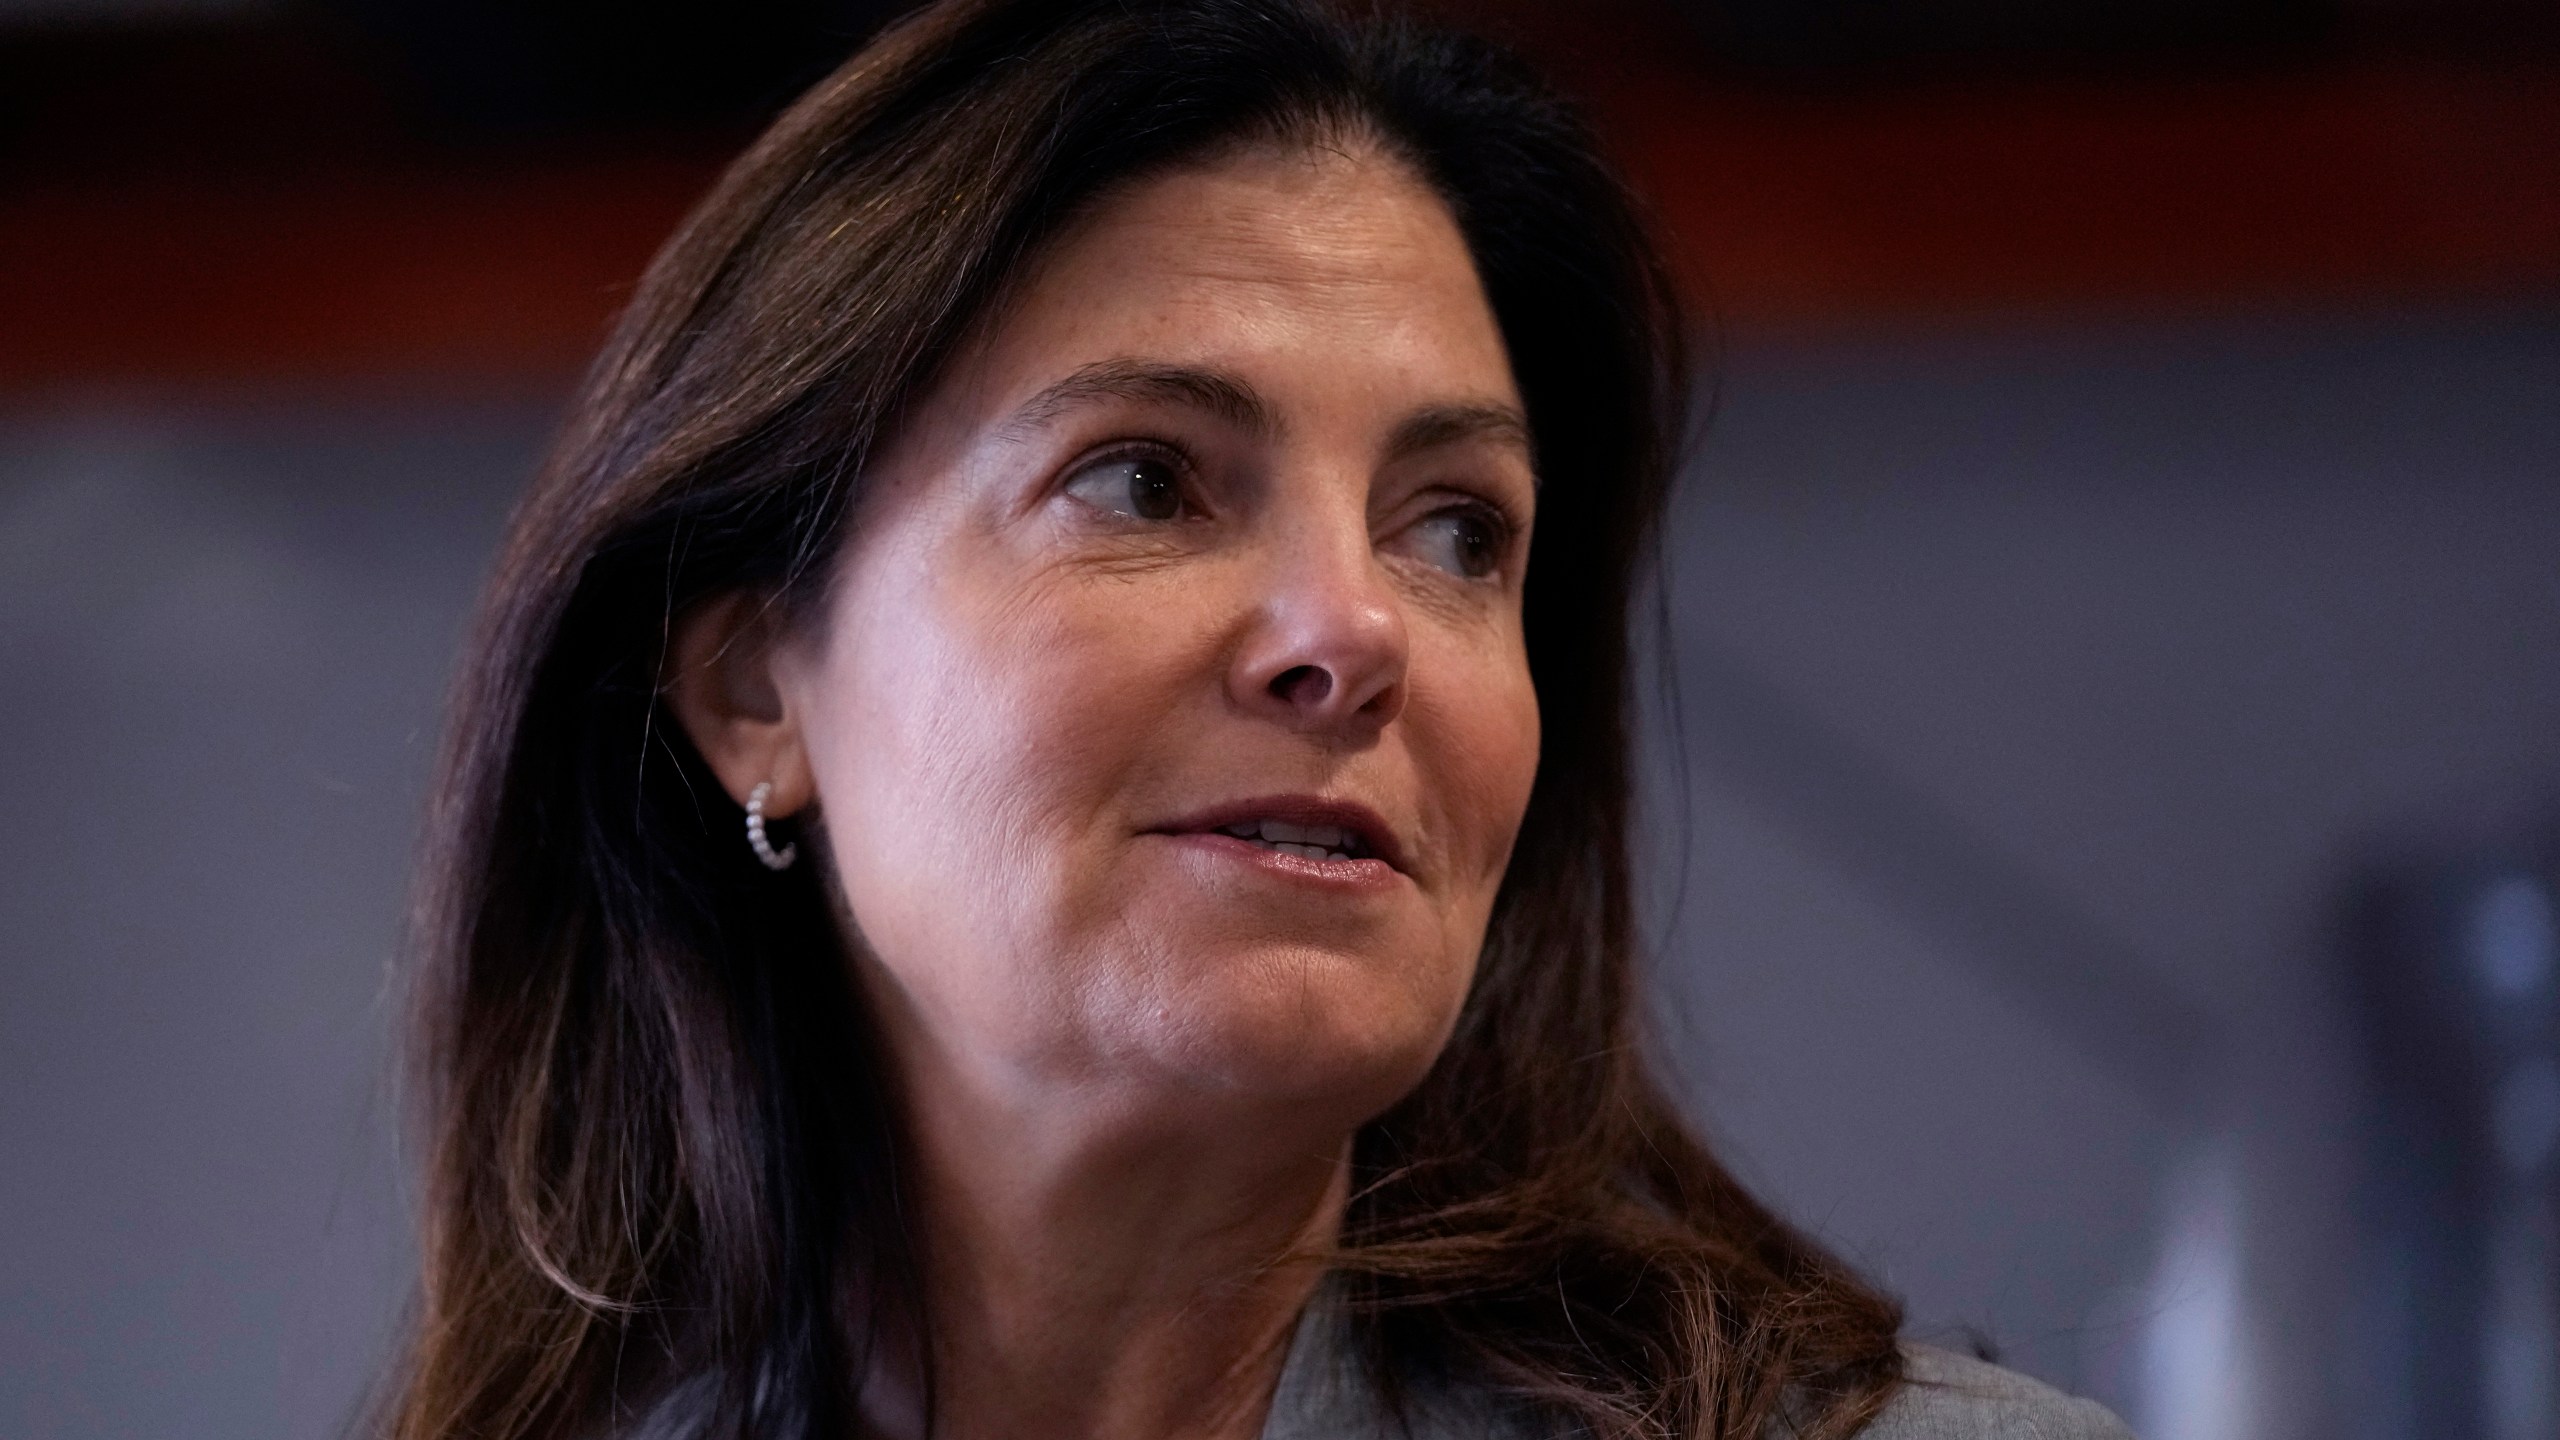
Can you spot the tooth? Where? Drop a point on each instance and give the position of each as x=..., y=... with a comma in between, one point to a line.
x=1330, y=837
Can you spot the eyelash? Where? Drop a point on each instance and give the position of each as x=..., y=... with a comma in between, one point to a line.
x=1497, y=521
x=1184, y=467
x=1134, y=448
x=1506, y=529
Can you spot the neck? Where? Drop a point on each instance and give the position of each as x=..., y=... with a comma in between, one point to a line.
x=1091, y=1274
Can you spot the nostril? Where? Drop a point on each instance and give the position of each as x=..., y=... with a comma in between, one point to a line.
x=1303, y=684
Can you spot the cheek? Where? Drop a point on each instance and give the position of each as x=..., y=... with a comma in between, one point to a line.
x=1476, y=737
x=970, y=739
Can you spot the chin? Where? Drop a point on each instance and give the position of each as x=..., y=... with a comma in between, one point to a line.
x=1319, y=1037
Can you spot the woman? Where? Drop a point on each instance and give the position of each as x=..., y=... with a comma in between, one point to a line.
x=1034, y=841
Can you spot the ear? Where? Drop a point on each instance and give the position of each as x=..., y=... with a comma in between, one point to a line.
x=719, y=680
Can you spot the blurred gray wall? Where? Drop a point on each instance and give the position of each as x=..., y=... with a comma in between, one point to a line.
x=2038, y=694
x=226, y=633
x=2033, y=692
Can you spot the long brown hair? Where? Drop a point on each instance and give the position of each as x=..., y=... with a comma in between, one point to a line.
x=665, y=1152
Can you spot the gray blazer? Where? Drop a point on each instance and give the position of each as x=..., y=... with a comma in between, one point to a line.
x=1322, y=1396
x=1946, y=1396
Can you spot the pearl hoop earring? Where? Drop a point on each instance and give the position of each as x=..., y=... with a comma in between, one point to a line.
x=773, y=859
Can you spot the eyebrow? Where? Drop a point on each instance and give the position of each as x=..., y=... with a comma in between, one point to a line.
x=1221, y=394
x=1456, y=424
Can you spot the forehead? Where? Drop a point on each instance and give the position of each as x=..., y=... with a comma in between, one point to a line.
x=1268, y=258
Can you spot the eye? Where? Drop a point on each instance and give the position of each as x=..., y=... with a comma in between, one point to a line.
x=1466, y=542
x=1143, y=487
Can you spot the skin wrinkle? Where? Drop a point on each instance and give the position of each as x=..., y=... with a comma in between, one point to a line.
x=1234, y=400
x=1134, y=1062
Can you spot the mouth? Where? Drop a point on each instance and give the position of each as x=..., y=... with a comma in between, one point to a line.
x=1303, y=827
x=1307, y=842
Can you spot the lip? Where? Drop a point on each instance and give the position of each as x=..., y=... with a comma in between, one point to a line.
x=1377, y=837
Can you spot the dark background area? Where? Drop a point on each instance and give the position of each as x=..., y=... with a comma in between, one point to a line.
x=2105, y=761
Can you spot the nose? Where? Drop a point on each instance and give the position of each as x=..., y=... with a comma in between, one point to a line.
x=1328, y=649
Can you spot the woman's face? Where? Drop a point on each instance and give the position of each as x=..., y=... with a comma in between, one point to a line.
x=1170, y=720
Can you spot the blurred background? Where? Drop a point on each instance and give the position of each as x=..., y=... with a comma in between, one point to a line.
x=2104, y=757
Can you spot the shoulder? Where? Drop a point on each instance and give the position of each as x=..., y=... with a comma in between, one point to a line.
x=1946, y=1396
